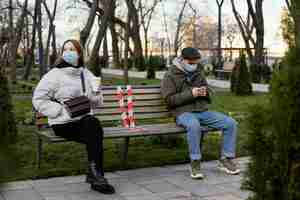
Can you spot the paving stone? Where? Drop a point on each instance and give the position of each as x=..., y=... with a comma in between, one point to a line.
x=176, y=195
x=19, y=185
x=141, y=180
x=63, y=189
x=93, y=195
x=163, y=186
x=126, y=188
x=223, y=197
x=110, y=175
x=157, y=183
x=1, y=196
x=181, y=167
x=154, y=171
x=59, y=181
x=26, y=194
x=203, y=190
x=143, y=197
x=57, y=197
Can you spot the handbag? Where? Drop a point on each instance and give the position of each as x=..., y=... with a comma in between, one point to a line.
x=80, y=105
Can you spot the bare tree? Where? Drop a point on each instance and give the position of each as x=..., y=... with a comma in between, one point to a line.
x=231, y=32
x=146, y=14
x=40, y=38
x=30, y=52
x=126, y=50
x=15, y=36
x=115, y=40
x=178, y=28
x=220, y=4
x=194, y=25
x=135, y=33
x=207, y=36
x=85, y=32
x=108, y=7
x=51, y=33
x=167, y=33
x=255, y=21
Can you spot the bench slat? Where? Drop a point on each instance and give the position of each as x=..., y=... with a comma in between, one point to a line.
x=115, y=104
x=136, y=116
x=118, y=132
x=117, y=111
x=137, y=97
x=135, y=91
x=117, y=117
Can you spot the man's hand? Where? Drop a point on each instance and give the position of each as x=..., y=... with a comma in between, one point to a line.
x=199, y=91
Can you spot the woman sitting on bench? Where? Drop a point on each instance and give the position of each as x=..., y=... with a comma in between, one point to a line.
x=64, y=82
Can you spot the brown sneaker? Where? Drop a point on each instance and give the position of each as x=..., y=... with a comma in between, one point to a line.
x=227, y=165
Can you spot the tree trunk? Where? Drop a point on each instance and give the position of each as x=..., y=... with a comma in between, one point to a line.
x=84, y=34
x=146, y=43
x=245, y=31
x=30, y=59
x=51, y=32
x=126, y=50
x=135, y=35
x=179, y=24
x=40, y=38
x=108, y=5
x=54, y=54
x=11, y=54
x=16, y=37
x=115, y=46
x=105, y=52
x=220, y=4
x=115, y=40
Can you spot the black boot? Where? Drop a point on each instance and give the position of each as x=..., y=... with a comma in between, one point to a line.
x=97, y=180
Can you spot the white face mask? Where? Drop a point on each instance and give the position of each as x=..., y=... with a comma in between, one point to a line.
x=190, y=67
x=71, y=57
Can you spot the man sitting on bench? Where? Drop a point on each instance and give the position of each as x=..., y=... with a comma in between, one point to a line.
x=185, y=91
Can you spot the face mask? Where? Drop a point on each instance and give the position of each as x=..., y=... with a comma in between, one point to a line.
x=190, y=67
x=71, y=57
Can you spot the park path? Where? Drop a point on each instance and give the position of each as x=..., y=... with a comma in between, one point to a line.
x=156, y=183
x=159, y=75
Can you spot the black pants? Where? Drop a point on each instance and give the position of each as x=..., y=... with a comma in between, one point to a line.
x=87, y=130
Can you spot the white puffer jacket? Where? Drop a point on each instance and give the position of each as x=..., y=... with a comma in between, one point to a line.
x=62, y=84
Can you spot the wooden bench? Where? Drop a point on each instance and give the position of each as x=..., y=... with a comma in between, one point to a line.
x=223, y=74
x=148, y=105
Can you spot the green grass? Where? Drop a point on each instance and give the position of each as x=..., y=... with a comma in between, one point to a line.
x=70, y=158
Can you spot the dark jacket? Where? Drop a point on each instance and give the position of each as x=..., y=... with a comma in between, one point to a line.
x=176, y=89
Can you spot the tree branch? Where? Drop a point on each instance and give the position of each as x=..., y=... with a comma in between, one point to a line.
x=288, y=4
x=220, y=3
x=252, y=12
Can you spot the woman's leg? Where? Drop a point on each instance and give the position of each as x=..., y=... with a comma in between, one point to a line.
x=92, y=132
x=89, y=131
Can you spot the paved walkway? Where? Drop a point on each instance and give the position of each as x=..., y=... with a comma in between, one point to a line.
x=156, y=183
x=160, y=74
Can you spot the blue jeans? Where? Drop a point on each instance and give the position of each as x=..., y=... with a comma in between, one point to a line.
x=192, y=122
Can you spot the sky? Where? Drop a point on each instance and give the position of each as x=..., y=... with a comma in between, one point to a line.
x=69, y=21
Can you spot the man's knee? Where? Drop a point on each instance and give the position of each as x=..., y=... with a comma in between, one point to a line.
x=189, y=122
x=230, y=122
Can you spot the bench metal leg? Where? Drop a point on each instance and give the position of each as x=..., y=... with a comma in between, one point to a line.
x=123, y=149
x=39, y=155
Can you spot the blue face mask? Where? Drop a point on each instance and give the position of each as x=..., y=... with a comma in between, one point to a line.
x=190, y=67
x=71, y=57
